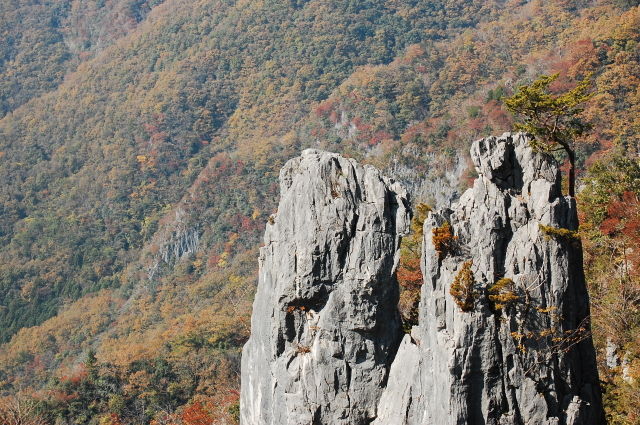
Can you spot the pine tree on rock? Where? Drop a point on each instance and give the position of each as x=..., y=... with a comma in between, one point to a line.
x=554, y=120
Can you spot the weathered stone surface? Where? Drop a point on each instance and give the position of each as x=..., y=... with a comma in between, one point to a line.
x=325, y=325
x=467, y=367
x=326, y=349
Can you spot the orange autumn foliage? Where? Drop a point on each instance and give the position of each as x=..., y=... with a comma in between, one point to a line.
x=196, y=414
x=409, y=273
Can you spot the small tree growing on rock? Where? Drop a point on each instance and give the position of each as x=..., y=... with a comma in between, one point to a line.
x=502, y=294
x=553, y=120
x=462, y=288
x=443, y=240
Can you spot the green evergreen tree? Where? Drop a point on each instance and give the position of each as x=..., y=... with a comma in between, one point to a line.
x=554, y=120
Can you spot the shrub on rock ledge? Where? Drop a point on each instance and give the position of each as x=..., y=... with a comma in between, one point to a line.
x=462, y=288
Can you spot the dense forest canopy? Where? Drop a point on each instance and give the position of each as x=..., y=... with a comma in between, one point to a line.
x=140, y=144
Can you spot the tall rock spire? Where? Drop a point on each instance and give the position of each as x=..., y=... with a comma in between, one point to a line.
x=325, y=325
x=511, y=344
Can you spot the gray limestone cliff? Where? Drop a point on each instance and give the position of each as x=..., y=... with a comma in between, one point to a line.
x=325, y=325
x=511, y=346
x=530, y=362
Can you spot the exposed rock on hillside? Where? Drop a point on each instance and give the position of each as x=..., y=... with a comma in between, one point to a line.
x=504, y=334
x=514, y=353
x=325, y=325
x=175, y=240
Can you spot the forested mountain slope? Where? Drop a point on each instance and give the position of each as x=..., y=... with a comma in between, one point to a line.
x=94, y=164
x=42, y=41
x=137, y=182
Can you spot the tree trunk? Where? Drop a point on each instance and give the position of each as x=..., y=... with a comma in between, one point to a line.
x=572, y=172
x=572, y=166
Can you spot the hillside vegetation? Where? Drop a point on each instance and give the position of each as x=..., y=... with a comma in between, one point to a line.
x=140, y=148
x=41, y=42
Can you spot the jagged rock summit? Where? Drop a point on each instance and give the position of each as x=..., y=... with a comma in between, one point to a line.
x=503, y=335
x=474, y=361
x=325, y=324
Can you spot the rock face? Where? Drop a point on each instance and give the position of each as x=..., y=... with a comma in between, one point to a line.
x=325, y=325
x=531, y=362
x=510, y=346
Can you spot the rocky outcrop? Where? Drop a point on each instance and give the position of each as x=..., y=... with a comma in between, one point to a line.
x=503, y=335
x=531, y=361
x=325, y=325
x=174, y=240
